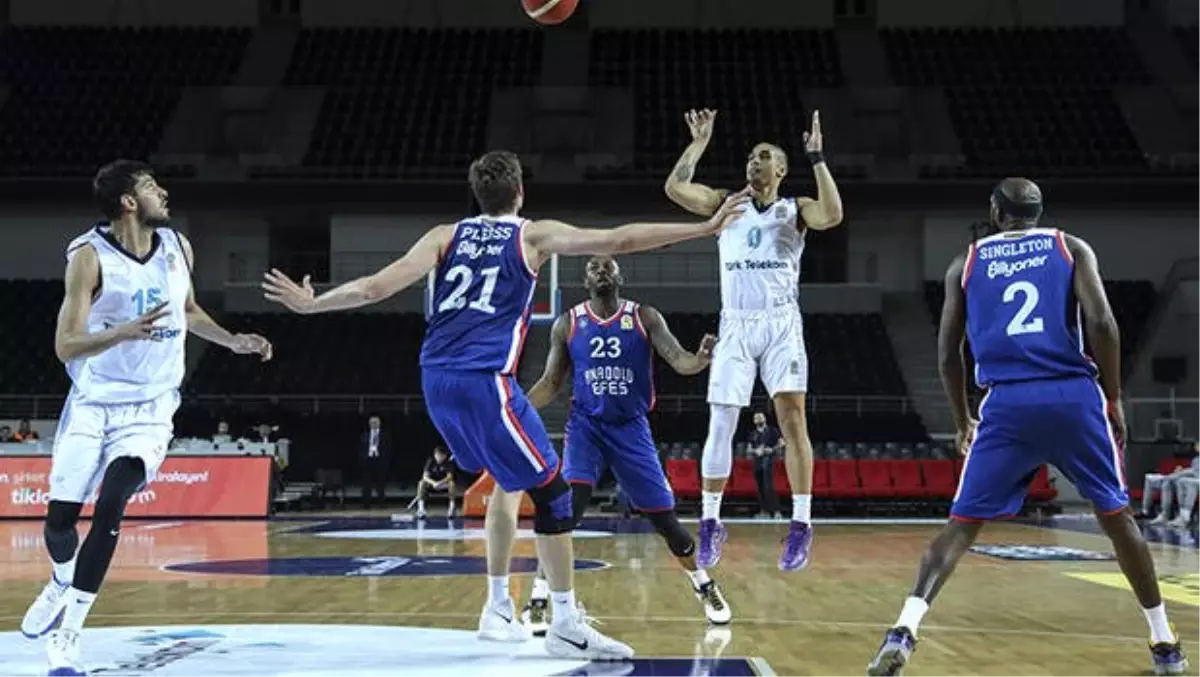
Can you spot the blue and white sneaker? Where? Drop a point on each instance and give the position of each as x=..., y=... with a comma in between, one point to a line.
x=1168, y=657
x=63, y=653
x=898, y=645
x=46, y=611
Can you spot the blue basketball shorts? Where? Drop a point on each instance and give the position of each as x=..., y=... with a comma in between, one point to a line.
x=489, y=424
x=627, y=447
x=1062, y=422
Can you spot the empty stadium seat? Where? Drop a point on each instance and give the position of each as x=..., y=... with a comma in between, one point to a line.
x=1029, y=100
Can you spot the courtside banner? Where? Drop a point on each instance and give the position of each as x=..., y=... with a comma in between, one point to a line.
x=186, y=486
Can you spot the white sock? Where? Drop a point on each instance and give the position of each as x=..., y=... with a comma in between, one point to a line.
x=912, y=613
x=699, y=577
x=562, y=606
x=451, y=508
x=421, y=505
x=64, y=573
x=802, y=508
x=541, y=589
x=710, y=505
x=79, y=603
x=498, y=589
x=1160, y=628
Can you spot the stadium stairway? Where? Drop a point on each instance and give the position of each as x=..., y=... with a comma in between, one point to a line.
x=907, y=320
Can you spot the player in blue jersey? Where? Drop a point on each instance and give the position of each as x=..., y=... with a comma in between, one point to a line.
x=607, y=344
x=486, y=271
x=1018, y=296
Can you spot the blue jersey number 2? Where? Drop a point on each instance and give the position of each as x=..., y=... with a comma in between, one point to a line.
x=145, y=299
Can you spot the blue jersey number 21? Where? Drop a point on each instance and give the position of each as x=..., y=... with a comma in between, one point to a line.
x=145, y=299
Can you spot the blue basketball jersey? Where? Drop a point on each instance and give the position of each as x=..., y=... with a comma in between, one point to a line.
x=613, y=363
x=1023, y=321
x=481, y=299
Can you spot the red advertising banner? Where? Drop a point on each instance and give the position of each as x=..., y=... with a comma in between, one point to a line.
x=186, y=486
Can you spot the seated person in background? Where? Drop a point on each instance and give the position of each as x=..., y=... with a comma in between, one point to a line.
x=25, y=432
x=1189, y=490
x=222, y=436
x=437, y=476
x=1168, y=485
x=6, y=435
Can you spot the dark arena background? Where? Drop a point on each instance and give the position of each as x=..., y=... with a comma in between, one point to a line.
x=324, y=137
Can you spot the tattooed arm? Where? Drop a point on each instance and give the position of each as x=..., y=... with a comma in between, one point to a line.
x=694, y=197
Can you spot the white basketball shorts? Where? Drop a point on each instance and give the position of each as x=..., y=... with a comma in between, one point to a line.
x=767, y=343
x=90, y=435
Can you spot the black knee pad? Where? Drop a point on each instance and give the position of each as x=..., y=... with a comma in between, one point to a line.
x=553, y=508
x=62, y=540
x=62, y=516
x=678, y=539
x=122, y=480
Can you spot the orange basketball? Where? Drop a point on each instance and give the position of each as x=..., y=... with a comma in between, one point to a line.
x=549, y=12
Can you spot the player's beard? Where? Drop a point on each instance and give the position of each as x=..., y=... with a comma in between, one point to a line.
x=149, y=219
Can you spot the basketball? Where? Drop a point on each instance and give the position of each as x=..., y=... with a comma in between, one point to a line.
x=549, y=12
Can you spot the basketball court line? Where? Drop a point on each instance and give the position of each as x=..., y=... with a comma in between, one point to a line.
x=760, y=665
x=690, y=620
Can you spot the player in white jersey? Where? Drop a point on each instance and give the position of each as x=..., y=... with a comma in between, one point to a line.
x=761, y=325
x=121, y=330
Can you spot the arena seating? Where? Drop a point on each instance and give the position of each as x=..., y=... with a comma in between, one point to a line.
x=1189, y=39
x=405, y=102
x=1028, y=101
x=753, y=78
x=29, y=366
x=846, y=485
x=1131, y=300
x=82, y=96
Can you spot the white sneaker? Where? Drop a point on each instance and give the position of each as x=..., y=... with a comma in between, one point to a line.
x=716, y=609
x=499, y=623
x=574, y=638
x=46, y=610
x=1180, y=522
x=62, y=651
x=1160, y=520
x=536, y=616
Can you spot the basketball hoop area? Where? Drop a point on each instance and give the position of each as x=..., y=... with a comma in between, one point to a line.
x=547, y=297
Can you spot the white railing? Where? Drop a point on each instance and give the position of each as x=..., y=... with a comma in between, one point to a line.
x=48, y=406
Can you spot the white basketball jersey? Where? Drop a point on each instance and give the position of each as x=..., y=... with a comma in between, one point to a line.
x=760, y=257
x=140, y=370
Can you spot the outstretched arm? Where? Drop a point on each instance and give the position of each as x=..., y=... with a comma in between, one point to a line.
x=379, y=286
x=826, y=211
x=557, y=363
x=951, y=332
x=203, y=325
x=547, y=237
x=667, y=346
x=694, y=197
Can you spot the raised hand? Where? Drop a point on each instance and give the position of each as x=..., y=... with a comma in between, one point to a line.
x=280, y=288
x=143, y=328
x=813, y=143
x=700, y=123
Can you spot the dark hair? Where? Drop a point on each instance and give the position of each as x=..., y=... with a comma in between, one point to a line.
x=495, y=180
x=114, y=180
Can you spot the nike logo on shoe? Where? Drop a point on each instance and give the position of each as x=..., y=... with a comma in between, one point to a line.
x=507, y=619
x=582, y=646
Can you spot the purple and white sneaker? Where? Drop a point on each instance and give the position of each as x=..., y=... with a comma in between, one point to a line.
x=897, y=647
x=796, y=546
x=712, y=537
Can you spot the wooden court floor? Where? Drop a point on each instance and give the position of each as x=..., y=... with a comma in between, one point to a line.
x=997, y=616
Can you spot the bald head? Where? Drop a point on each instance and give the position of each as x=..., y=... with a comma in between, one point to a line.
x=1016, y=203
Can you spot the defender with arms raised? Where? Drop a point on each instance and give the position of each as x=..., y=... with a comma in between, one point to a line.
x=761, y=326
x=486, y=270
